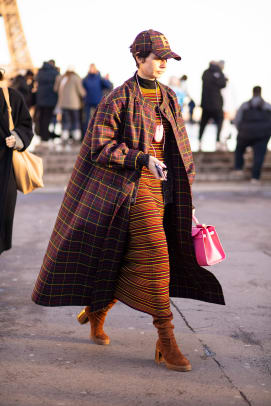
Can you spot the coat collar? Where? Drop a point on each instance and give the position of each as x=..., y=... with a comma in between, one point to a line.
x=132, y=84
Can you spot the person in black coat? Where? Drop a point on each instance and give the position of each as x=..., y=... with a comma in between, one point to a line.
x=46, y=97
x=253, y=121
x=19, y=139
x=213, y=80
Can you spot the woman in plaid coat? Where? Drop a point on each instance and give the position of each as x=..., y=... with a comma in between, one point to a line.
x=124, y=228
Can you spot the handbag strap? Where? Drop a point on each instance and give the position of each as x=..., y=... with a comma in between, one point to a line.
x=10, y=119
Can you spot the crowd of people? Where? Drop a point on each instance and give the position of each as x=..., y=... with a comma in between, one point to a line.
x=70, y=101
x=66, y=99
x=252, y=119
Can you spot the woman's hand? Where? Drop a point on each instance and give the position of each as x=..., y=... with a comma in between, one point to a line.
x=152, y=168
x=11, y=141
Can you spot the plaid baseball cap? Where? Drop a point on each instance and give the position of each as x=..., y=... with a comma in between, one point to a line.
x=153, y=41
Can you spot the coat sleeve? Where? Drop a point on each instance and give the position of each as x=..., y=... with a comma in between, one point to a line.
x=80, y=89
x=106, y=84
x=57, y=83
x=104, y=136
x=219, y=80
x=22, y=119
x=239, y=115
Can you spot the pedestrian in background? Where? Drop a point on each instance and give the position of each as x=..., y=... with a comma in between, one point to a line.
x=19, y=139
x=94, y=85
x=19, y=83
x=253, y=121
x=175, y=85
x=213, y=80
x=46, y=98
x=180, y=88
x=24, y=83
x=191, y=108
x=31, y=84
x=70, y=98
x=191, y=104
x=124, y=228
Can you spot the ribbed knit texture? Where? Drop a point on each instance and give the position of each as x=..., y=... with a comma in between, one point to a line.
x=144, y=278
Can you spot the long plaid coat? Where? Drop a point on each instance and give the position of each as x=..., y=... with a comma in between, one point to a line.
x=86, y=249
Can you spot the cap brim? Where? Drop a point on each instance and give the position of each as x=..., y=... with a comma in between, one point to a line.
x=168, y=54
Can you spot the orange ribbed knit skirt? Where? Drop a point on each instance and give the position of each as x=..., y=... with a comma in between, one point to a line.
x=144, y=277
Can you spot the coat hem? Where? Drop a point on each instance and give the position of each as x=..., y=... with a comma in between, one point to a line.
x=221, y=301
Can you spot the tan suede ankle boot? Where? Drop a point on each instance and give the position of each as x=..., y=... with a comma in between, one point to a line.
x=97, y=320
x=166, y=347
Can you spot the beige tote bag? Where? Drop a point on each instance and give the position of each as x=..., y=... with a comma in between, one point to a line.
x=28, y=167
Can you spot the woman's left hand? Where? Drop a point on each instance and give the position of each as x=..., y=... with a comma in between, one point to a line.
x=193, y=212
x=11, y=141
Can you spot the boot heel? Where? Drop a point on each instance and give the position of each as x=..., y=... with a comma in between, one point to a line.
x=82, y=317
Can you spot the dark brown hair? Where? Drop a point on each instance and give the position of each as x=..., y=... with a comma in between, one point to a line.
x=257, y=91
x=141, y=54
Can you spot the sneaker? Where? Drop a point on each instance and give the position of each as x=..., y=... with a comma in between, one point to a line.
x=76, y=135
x=254, y=181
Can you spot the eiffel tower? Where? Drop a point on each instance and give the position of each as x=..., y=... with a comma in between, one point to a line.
x=19, y=54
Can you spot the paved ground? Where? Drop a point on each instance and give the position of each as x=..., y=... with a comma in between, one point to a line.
x=48, y=360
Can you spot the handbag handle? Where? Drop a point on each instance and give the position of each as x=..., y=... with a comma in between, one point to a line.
x=194, y=218
x=10, y=119
x=196, y=221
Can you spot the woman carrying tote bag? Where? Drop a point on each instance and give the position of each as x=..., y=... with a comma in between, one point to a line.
x=18, y=139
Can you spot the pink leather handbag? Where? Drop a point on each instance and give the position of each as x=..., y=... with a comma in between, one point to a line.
x=208, y=248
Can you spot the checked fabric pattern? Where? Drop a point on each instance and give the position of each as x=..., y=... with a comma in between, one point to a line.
x=143, y=282
x=87, y=246
x=153, y=41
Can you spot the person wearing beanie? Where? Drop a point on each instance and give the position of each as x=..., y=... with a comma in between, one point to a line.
x=123, y=231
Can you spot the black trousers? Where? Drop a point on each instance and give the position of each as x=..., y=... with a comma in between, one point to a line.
x=216, y=115
x=45, y=115
x=259, y=150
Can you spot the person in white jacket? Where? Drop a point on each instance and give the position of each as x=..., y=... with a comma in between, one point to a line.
x=70, y=95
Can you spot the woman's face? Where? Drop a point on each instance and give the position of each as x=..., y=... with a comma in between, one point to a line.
x=92, y=68
x=152, y=68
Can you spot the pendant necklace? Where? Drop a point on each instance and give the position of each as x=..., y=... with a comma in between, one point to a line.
x=159, y=131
